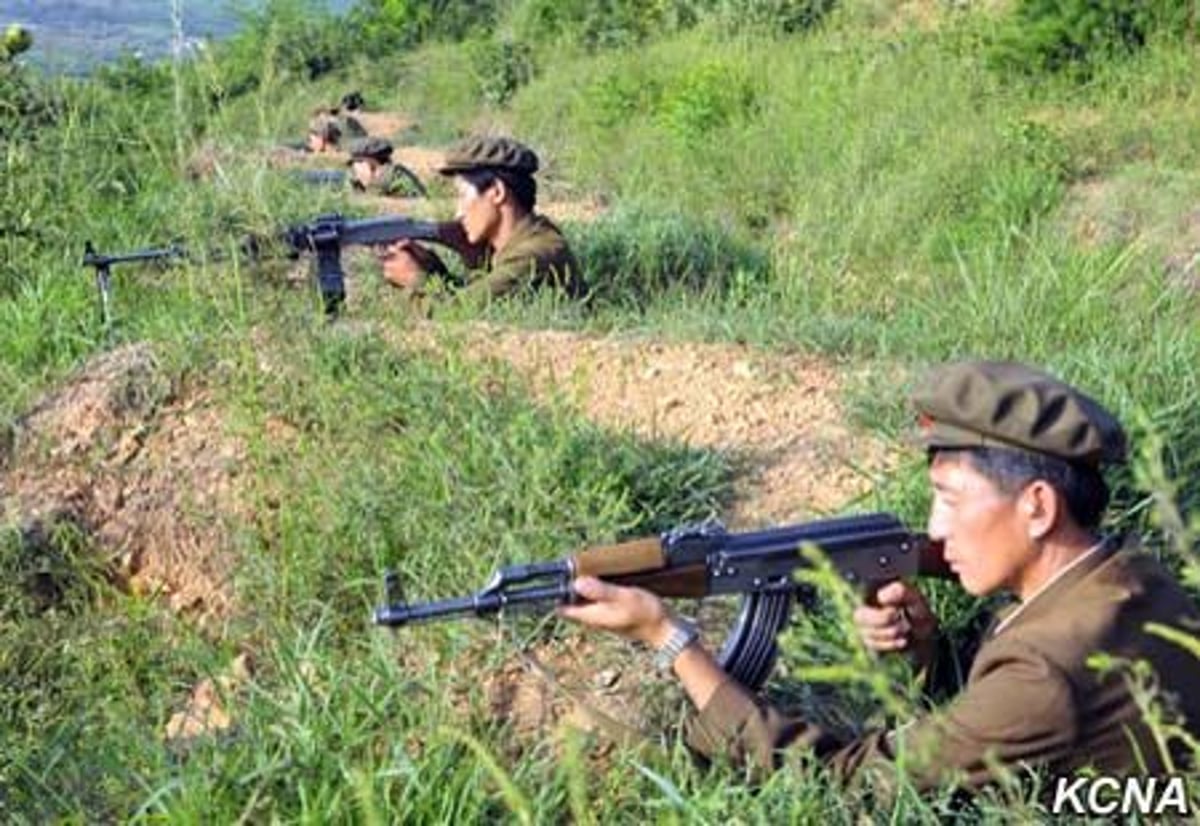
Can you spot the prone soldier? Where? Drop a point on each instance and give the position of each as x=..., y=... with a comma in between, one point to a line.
x=1015, y=459
x=497, y=232
x=328, y=128
x=374, y=170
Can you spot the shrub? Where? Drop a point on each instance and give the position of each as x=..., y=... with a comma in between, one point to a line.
x=500, y=68
x=633, y=256
x=618, y=95
x=704, y=98
x=601, y=24
x=1076, y=35
x=386, y=26
x=774, y=16
x=285, y=38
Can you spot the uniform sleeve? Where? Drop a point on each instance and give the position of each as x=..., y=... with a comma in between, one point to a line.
x=1017, y=708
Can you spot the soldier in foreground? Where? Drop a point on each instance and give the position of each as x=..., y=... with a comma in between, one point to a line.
x=497, y=232
x=1015, y=459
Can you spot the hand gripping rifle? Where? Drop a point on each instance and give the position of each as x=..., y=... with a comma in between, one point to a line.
x=324, y=236
x=705, y=560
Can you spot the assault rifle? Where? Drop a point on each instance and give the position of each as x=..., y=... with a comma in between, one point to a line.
x=324, y=237
x=703, y=560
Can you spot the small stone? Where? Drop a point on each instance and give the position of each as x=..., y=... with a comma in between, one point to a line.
x=607, y=678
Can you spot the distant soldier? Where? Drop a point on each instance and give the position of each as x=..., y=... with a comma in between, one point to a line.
x=324, y=133
x=374, y=170
x=496, y=230
x=328, y=128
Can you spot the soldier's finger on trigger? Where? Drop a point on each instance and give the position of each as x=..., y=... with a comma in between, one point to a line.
x=892, y=593
x=873, y=618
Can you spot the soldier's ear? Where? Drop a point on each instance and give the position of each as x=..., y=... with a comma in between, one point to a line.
x=1040, y=507
x=498, y=192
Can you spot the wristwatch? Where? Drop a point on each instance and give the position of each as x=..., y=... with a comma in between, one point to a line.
x=683, y=633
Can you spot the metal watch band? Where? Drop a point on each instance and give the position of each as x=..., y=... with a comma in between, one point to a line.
x=683, y=633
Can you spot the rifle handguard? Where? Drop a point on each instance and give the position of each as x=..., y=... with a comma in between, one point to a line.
x=638, y=556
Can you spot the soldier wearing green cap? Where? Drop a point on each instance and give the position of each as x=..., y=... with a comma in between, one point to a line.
x=1015, y=463
x=374, y=170
x=496, y=230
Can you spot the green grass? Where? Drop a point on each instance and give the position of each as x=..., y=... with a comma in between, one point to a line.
x=871, y=195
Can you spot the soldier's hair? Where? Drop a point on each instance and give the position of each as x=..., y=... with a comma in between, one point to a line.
x=1082, y=487
x=523, y=187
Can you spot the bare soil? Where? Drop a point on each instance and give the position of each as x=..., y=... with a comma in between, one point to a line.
x=385, y=124
x=146, y=469
x=778, y=414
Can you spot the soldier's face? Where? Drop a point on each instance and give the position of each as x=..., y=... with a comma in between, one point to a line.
x=478, y=212
x=986, y=537
x=363, y=170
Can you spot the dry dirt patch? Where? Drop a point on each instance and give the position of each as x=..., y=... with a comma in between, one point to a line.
x=385, y=124
x=778, y=413
x=146, y=469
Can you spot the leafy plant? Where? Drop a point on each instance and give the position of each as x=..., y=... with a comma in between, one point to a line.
x=704, y=98
x=500, y=67
x=1075, y=36
x=634, y=256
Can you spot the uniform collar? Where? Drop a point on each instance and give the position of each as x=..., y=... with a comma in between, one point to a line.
x=1071, y=573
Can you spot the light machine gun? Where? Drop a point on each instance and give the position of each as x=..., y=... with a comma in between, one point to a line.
x=323, y=237
x=706, y=560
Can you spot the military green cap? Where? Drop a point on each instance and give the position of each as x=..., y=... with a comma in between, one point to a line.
x=502, y=154
x=372, y=148
x=1005, y=404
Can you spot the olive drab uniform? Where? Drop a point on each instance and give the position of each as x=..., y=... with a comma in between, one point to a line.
x=1031, y=698
x=394, y=180
x=536, y=256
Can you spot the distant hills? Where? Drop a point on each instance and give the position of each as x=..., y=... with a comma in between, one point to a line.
x=72, y=36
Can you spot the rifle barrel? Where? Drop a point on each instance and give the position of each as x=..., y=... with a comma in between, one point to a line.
x=480, y=604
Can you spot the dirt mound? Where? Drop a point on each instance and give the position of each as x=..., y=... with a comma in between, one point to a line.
x=144, y=468
x=779, y=414
x=384, y=124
